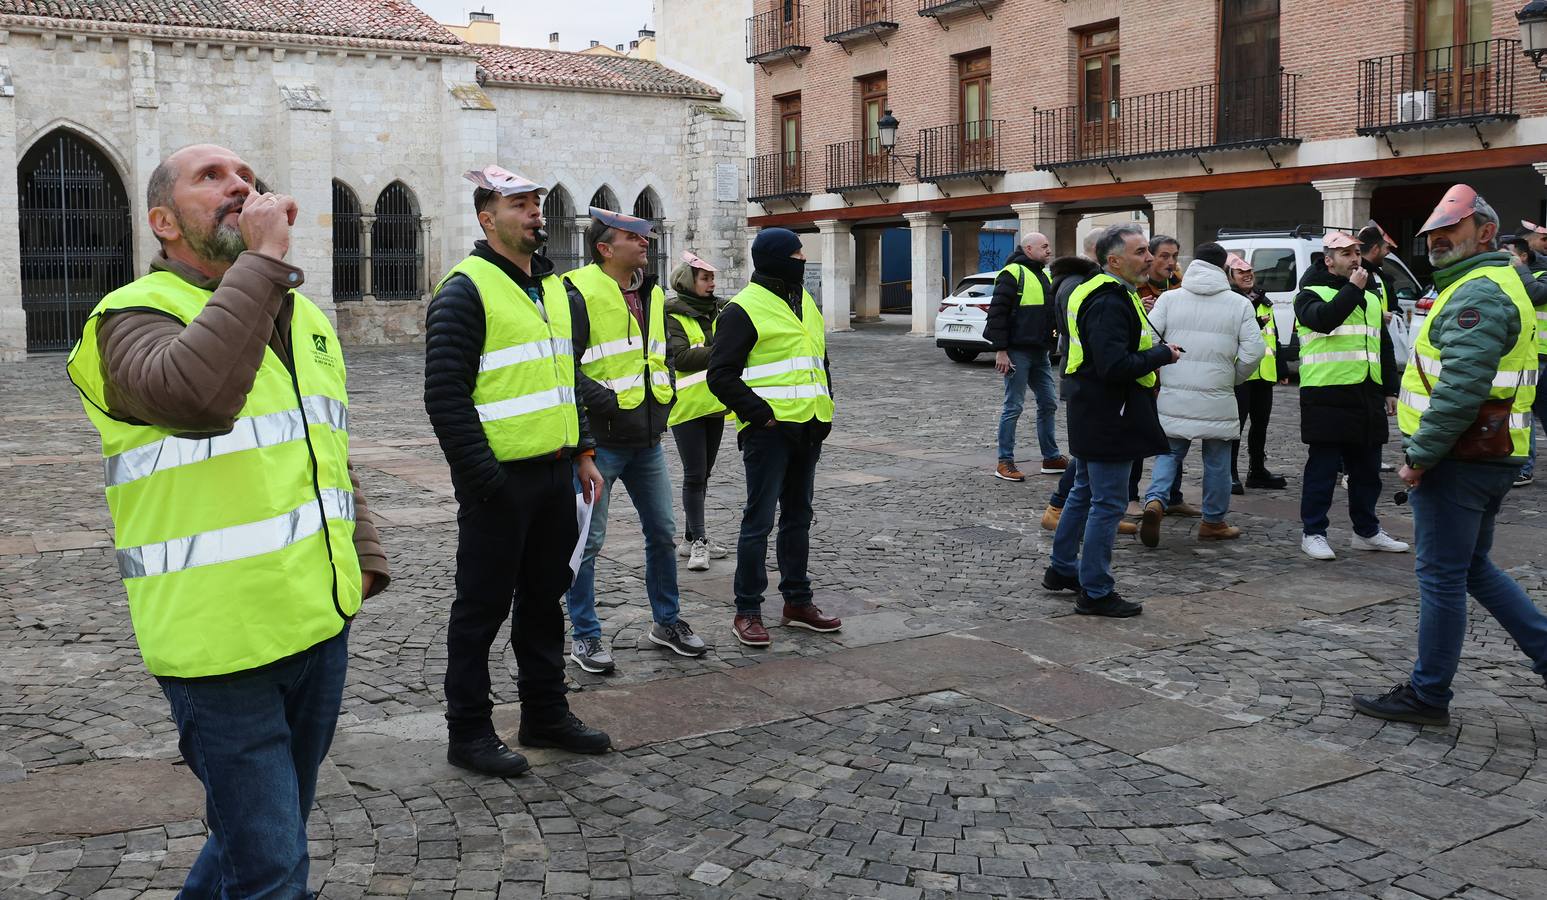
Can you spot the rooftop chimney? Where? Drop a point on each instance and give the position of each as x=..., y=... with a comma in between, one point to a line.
x=481, y=15
x=596, y=43
x=553, y=40
x=618, y=48
x=646, y=33
x=633, y=45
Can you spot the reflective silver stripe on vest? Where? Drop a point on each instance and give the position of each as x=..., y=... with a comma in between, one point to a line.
x=629, y=382
x=687, y=381
x=1416, y=401
x=791, y=392
x=250, y=433
x=238, y=541
x=611, y=348
x=1344, y=330
x=1501, y=379
x=793, y=364
x=520, y=353
x=527, y=403
x=1339, y=356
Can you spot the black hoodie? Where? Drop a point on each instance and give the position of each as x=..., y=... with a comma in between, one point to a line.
x=1011, y=325
x=1343, y=413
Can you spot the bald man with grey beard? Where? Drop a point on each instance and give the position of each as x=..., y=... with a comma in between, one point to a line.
x=1022, y=330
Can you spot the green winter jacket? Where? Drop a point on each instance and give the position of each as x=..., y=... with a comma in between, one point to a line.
x=1470, y=355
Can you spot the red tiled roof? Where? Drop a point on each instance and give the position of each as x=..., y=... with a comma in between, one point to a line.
x=527, y=65
x=370, y=20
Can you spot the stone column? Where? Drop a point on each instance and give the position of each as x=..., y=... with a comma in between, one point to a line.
x=1069, y=239
x=367, y=224
x=837, y=272
x=577, y=241
x=928, y=286
x=964, y=250
x=1176, y=214
x=13, y=320
x=867, y=281
x=1345, y=202
x=145, y=126
x=1041, y=218
x=305, y=159
x=1541, y=169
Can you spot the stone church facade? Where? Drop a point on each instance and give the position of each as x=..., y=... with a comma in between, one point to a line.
x=368, y=113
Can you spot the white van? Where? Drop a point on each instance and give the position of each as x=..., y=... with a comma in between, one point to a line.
x=1282, y=257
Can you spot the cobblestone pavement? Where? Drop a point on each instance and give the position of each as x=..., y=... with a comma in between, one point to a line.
x=964, y=735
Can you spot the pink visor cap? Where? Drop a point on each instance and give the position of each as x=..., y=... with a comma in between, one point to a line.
x=1458, y=203
x=503, y=181
x=631, y=224
x=1337, y=240
x=1532, y=226
x=1236, y=263
x=692, y=259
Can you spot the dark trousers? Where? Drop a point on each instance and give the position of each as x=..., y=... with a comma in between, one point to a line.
x=513, y=555
x=698, y=443
x=1253, y=400
x=1137, y=472
x=1323, y=464
x=781, y=472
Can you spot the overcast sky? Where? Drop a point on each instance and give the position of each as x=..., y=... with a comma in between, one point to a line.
x=526, y=23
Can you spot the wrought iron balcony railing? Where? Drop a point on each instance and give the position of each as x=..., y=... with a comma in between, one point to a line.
x=777, y=176
x=849, y=20
x=1229, y=115
x=777, y=34
x=939, y=8
x=859, y=165
x=961, y=150
x=1466, y=84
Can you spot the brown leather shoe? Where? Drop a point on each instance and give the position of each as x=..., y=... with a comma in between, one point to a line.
x=1007, y=470
x=750, y=631
x=1055, y=465
x=1050, y=517
x=1149, y=527
x=808, y=616
x=1185, y=510
x=1218, y=531
x=1127, y=526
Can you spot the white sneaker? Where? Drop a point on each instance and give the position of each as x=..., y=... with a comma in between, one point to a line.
x=1344, y=482
x=1379, y=541
x=717, y=551
x=1316, y=547
x=698, y=559
x=685, y=549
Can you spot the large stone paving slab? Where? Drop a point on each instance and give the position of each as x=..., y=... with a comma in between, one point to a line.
x=933, y=663
x=1055, y=640
x=1402, y=813
x=1146, y=725
x=1329, y=589
x=1256, y=763
x=1512, y=862
x=96, y=798
x=1054, y=694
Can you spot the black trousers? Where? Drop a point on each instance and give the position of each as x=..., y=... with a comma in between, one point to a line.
x=1323, y=464
x=1136, y=473
x=1253, y=400
x=513, y=555
x=698, y=443
x=781, y=475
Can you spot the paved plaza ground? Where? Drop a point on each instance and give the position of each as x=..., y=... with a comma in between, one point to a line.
x=965, y=735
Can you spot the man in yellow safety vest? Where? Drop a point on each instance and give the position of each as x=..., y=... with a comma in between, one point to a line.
x=245, y=549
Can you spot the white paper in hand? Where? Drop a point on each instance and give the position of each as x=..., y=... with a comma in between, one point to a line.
x=583, y=517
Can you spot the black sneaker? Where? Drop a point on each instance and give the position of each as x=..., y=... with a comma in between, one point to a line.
x=1237, y=488
x=1400, y=704
x=487, y=755
x=1265, y=480
x=1112, y=606
x=568, y=733
x=1053, y=580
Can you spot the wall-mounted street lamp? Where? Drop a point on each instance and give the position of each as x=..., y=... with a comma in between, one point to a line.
x=886, y=131
x=1533, y=34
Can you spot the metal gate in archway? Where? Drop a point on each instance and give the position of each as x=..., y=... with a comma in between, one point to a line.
x=77, y=243
x=396, y=257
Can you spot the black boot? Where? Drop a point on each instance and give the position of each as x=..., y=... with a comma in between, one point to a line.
x=1112, y=606
x=1262, y=478
x=488, y=755
x=567, y=733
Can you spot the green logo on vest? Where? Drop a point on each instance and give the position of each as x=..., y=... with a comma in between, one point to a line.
x=320, y=341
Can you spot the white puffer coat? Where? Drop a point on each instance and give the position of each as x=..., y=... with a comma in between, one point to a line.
x=1218, y=330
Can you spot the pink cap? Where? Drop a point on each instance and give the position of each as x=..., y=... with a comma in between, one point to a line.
x=1458, y=203
x=1532, y=226
x=1384, y=236
x=1336, y=240
x=692, y=259
x=503, y=181
x=631, y=224
x=1237, y=263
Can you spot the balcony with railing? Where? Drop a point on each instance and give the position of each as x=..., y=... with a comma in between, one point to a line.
x=860, y=165
x=961, y=150
x=777, y=176
x=938, y=9
x=1244, y=114
x=1463, y=85
x=777, y=34
x=850, y=20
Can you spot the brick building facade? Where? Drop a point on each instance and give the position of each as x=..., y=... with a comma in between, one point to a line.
x=1201, y=114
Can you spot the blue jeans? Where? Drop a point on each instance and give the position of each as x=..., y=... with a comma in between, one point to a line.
x=781, y=475
x=1216, y=476
x=255, y=741
x=1453, y=511
x=1539, y=409
x=1323, y=464
x=643, y=472
x=1094, y=507
x=1031, y=367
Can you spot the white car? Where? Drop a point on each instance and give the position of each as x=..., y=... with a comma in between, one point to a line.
x=959, y=326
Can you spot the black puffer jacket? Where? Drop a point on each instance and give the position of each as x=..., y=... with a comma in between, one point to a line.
x=1343, y=413
x=453, y=345
x=1009, y=323
x=636, y=428
x=1111, y=416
